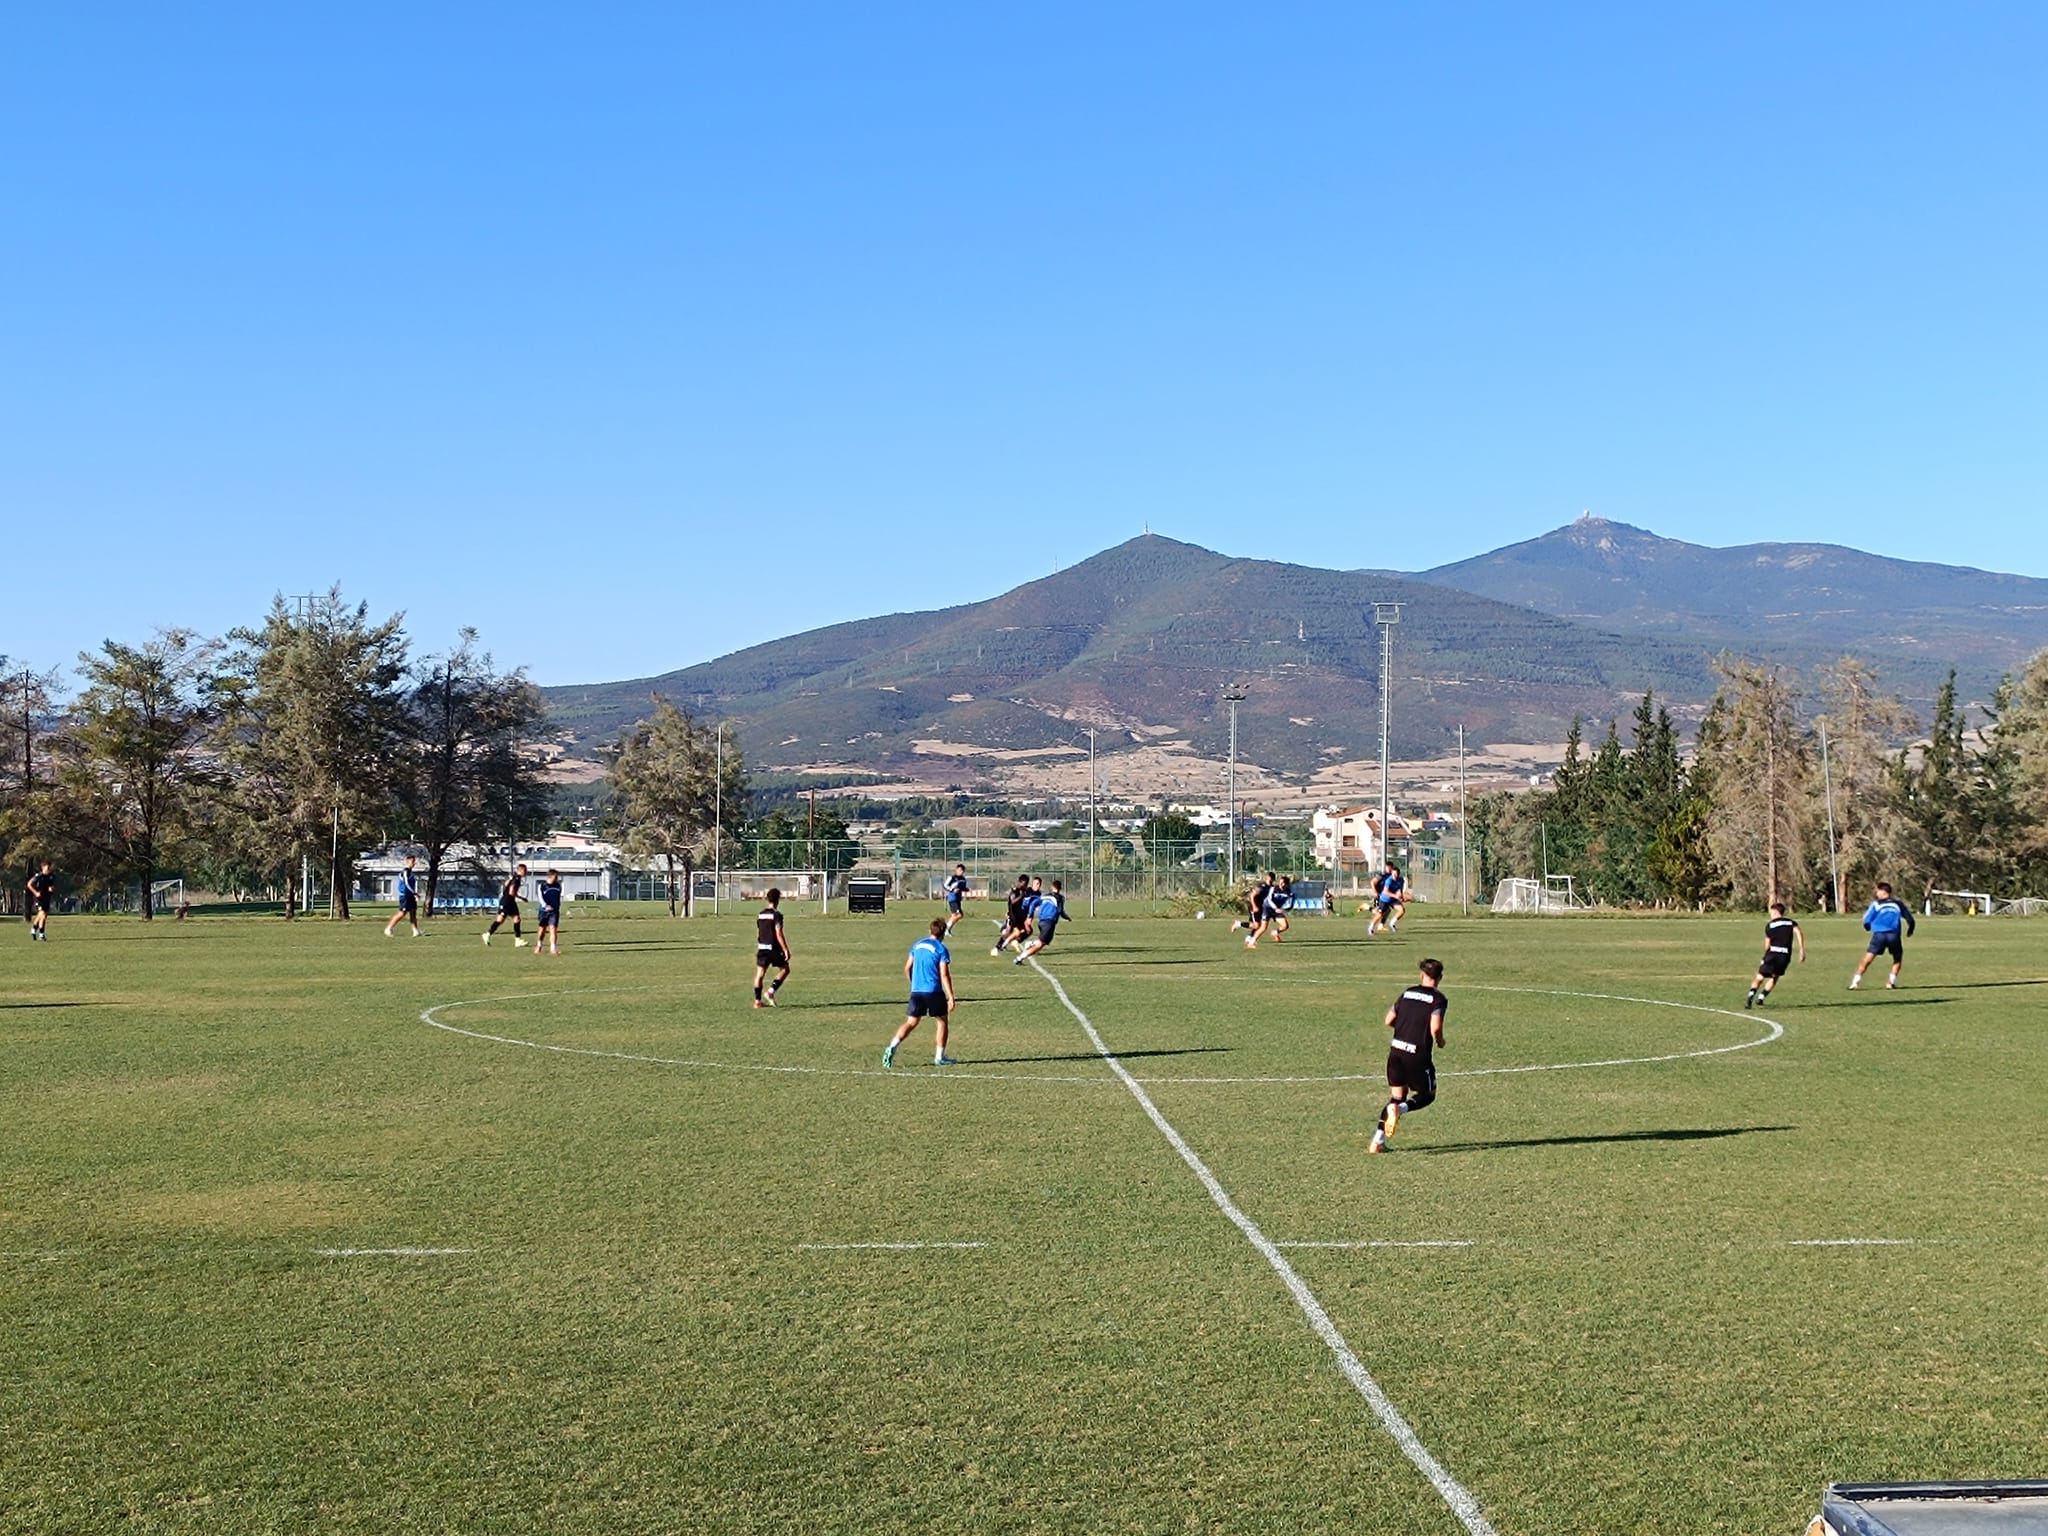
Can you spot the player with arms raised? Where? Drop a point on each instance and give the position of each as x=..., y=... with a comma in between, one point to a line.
x=1417, y=1020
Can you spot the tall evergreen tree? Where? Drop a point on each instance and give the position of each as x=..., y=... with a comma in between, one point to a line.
x=1864, y=726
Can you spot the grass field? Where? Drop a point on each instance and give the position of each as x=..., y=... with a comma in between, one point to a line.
x=655, y=1314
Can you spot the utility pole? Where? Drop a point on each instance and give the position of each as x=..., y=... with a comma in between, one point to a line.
x=1091, y=821
x=1464, y=835
x=1233, y=696
x=718, y=818
x=1386, y=616
x=1827, y=781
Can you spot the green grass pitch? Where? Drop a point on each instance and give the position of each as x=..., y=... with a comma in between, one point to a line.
x=659, y=1313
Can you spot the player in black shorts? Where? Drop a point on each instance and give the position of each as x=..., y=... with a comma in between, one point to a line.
x=1016, y=920
x=42, y=895
x=1781, y=936
x=1417, y=1020
x=956, y=892
x=508, y=906
x=771, y=949
x=550, y=916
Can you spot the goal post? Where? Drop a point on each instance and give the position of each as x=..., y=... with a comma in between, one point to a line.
x=1552, y=893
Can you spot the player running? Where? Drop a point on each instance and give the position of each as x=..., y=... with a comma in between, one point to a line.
x=956, y=892
x=42, y=895
x=1016, y=918
x=550, y=916
x=508, y=906
x=1046, y=911
x=1254, y=920
x=1390, y=900
x=1884, y=917
x=1417, y=1020
x=771, y=949
x=1781, y=935
x=408, y=898
x=1283, y=898
x=929, y=966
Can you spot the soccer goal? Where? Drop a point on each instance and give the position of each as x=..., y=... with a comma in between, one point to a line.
x=2021, y=906
x=736, y=888
x=1553, y=893
x=166, y=895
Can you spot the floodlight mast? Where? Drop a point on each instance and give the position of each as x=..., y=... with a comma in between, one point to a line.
x=1233, y=696
x=1386, y=616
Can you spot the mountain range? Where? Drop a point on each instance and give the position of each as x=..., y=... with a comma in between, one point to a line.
x=1139, y=642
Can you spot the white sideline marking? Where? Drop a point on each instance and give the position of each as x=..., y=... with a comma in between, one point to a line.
x=1459, y=1242
x=389, y=1253
x=1454, y=1493
x=1852, y=1242
x=891, y=1247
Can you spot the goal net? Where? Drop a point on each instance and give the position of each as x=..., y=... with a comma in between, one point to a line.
x=1553, y=893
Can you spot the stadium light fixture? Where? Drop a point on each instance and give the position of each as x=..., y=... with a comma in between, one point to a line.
x=1386, y=616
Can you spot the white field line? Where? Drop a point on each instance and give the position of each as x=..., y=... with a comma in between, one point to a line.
x=427, y=1016
x=1453, y=1493
x=1460, y=1242
x=1852, y=1242
x=888, y=1247
x=389, y=1253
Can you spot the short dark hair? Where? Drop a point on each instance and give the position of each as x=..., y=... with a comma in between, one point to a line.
x=1056, y=885
x=1778, y=907
x=554, y=874
x=938, y=927
x=522, y=869
x=1433, y=969
x=1884, y=887
x=774, y=895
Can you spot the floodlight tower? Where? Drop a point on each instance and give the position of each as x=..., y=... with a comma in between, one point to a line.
x=1386, y=616
x=1233, y=696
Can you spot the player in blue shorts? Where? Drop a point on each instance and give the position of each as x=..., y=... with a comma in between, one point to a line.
x=1884, y=917
x=1390, y=900
x=408, y=898
x=956, y=892
x=929, y=967
x=1046, y=911
x=550, y=915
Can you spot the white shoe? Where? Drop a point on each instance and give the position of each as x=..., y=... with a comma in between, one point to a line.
x=1855, y=982
x=487, y=938
x=518, y=943
x=997, y=950
x=1890, y=982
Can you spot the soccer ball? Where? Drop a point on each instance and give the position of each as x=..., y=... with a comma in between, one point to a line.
x=1200, y=915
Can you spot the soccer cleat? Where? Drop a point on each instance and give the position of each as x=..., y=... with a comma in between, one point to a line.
x=1855, y=982
x=1749, y=999
x=946, y=1061
x=768, y=997
x=487, y=938
x=997, y=950
x=1379, y=1143
x=759, y=1004
x=889, y=1054
x=1890, y=982
x=1020, y=960
x=517, y=942
x=1251, y=943
x=1390, y=1119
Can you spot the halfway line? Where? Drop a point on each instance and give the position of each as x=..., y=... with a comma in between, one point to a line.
x=891, y=1247
x=1459, y=1242
x=389, y=1253
x=1454, y=1493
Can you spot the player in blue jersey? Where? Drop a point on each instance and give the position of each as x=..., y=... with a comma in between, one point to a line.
x=1390, y=900
x=1282, y=899
x=550, y=915
x=929, y=967
x=408, y=898
x=956, y=892
x=1047, y=910
x=1884, y=917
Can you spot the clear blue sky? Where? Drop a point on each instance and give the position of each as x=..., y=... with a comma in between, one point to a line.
x=632, y=334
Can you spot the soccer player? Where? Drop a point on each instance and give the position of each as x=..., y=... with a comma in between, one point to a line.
x=1390, y=900
x=1254, y=920
x=550, y=915
x=42, y=895
x=408, y=898
x=1283, y=898
x=508, y=906
x=1883, y=918
x=929, y=966
x=1016, y=915
x=1781, y=934
x=1046, y=910
x=956, y=892
x=1417, y=1020
x=771, y=950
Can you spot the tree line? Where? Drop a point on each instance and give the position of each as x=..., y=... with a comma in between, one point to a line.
x=1806, y=798
x=247, y=761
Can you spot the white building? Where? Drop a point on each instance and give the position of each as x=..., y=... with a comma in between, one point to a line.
x=1350, y=839
x=590, y=871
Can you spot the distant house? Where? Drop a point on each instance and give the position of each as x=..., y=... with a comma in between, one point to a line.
x=1350, y=839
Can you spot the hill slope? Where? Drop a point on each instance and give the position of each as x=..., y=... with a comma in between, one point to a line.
x=1139, y=641
x=1799, y=603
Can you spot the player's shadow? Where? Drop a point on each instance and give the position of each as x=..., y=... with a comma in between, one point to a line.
x=1090, y=959
x=58, y=1005
x=2034, y=981
x=1186, y=1050
x=632, y=944
x=1704, y=1133
x=1924, y=998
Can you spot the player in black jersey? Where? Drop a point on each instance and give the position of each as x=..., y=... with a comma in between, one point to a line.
x=508, y=906
x=42, y=895
x=1417, y=1020
x=1016, y=917
x=1781, y=936
x=771, y=950
x=956, y=892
